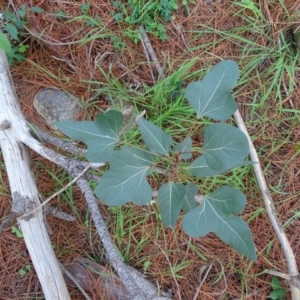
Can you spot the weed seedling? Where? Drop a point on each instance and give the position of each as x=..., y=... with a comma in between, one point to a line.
x=17, y=232
x=278, y=291
x=25, y=270
x=146, y=13
x=225, y=147
x=14, y=29
x=147, y=264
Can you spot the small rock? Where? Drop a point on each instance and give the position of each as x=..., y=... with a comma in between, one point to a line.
x=55, y=105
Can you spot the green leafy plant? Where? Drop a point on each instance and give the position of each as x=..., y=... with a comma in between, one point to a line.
x=278, y=292
x=147, y=264
x=84, y=8
x=17, y=232
x=146, y=13
x=14, y=24
x=225, y=147
x=60, y=15
x=25, y=270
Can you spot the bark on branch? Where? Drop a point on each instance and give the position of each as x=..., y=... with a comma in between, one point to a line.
x=24, y=190
x=15, y=135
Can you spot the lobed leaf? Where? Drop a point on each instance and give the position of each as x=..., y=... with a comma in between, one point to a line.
x=216, y=214
x=200, y=169
x=100, y=135
x=157, y=141
x=224, y=146
x=211, y=97
x=170, y=198
x=126, y=179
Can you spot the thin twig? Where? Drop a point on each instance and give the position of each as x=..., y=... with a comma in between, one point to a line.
x=58, y=192
x=151, y=52
x=57, y=142
x=270, y=207
x=292, y=280
x=147, y=57
x=202, y=281
x=53, y=211
x=64, y=145
x=171, y=268
x=278, y=274
x=178, y=28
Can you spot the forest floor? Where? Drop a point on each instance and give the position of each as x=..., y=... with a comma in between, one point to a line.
x=94, y=52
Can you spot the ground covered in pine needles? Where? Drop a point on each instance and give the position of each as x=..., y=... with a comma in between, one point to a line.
x=106, y=59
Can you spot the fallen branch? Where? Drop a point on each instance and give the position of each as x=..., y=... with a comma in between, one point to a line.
x=24, y=190
x=14, y=136
x=272, y=213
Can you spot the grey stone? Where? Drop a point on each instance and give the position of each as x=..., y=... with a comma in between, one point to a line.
x=55, y=105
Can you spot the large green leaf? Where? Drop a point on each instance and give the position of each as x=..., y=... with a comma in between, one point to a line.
x=224, y=146
x=126, y=179
x=199, y=168
x=157, y=141
x=211, y=97
x=170, y=197
x=189, y=201
x=184, y=148
x=100, y=135
x=216, y=214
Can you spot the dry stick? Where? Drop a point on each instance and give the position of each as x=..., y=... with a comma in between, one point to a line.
x=284, y=276
x=272, y=213
x=151, y=52
x=58, y=192
x=24, y=190
x=53, y=211
x=202, y=281
x=147, y=57
x=48, y=210
x=57, y=142
x=171, y=268
x=64, y=145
